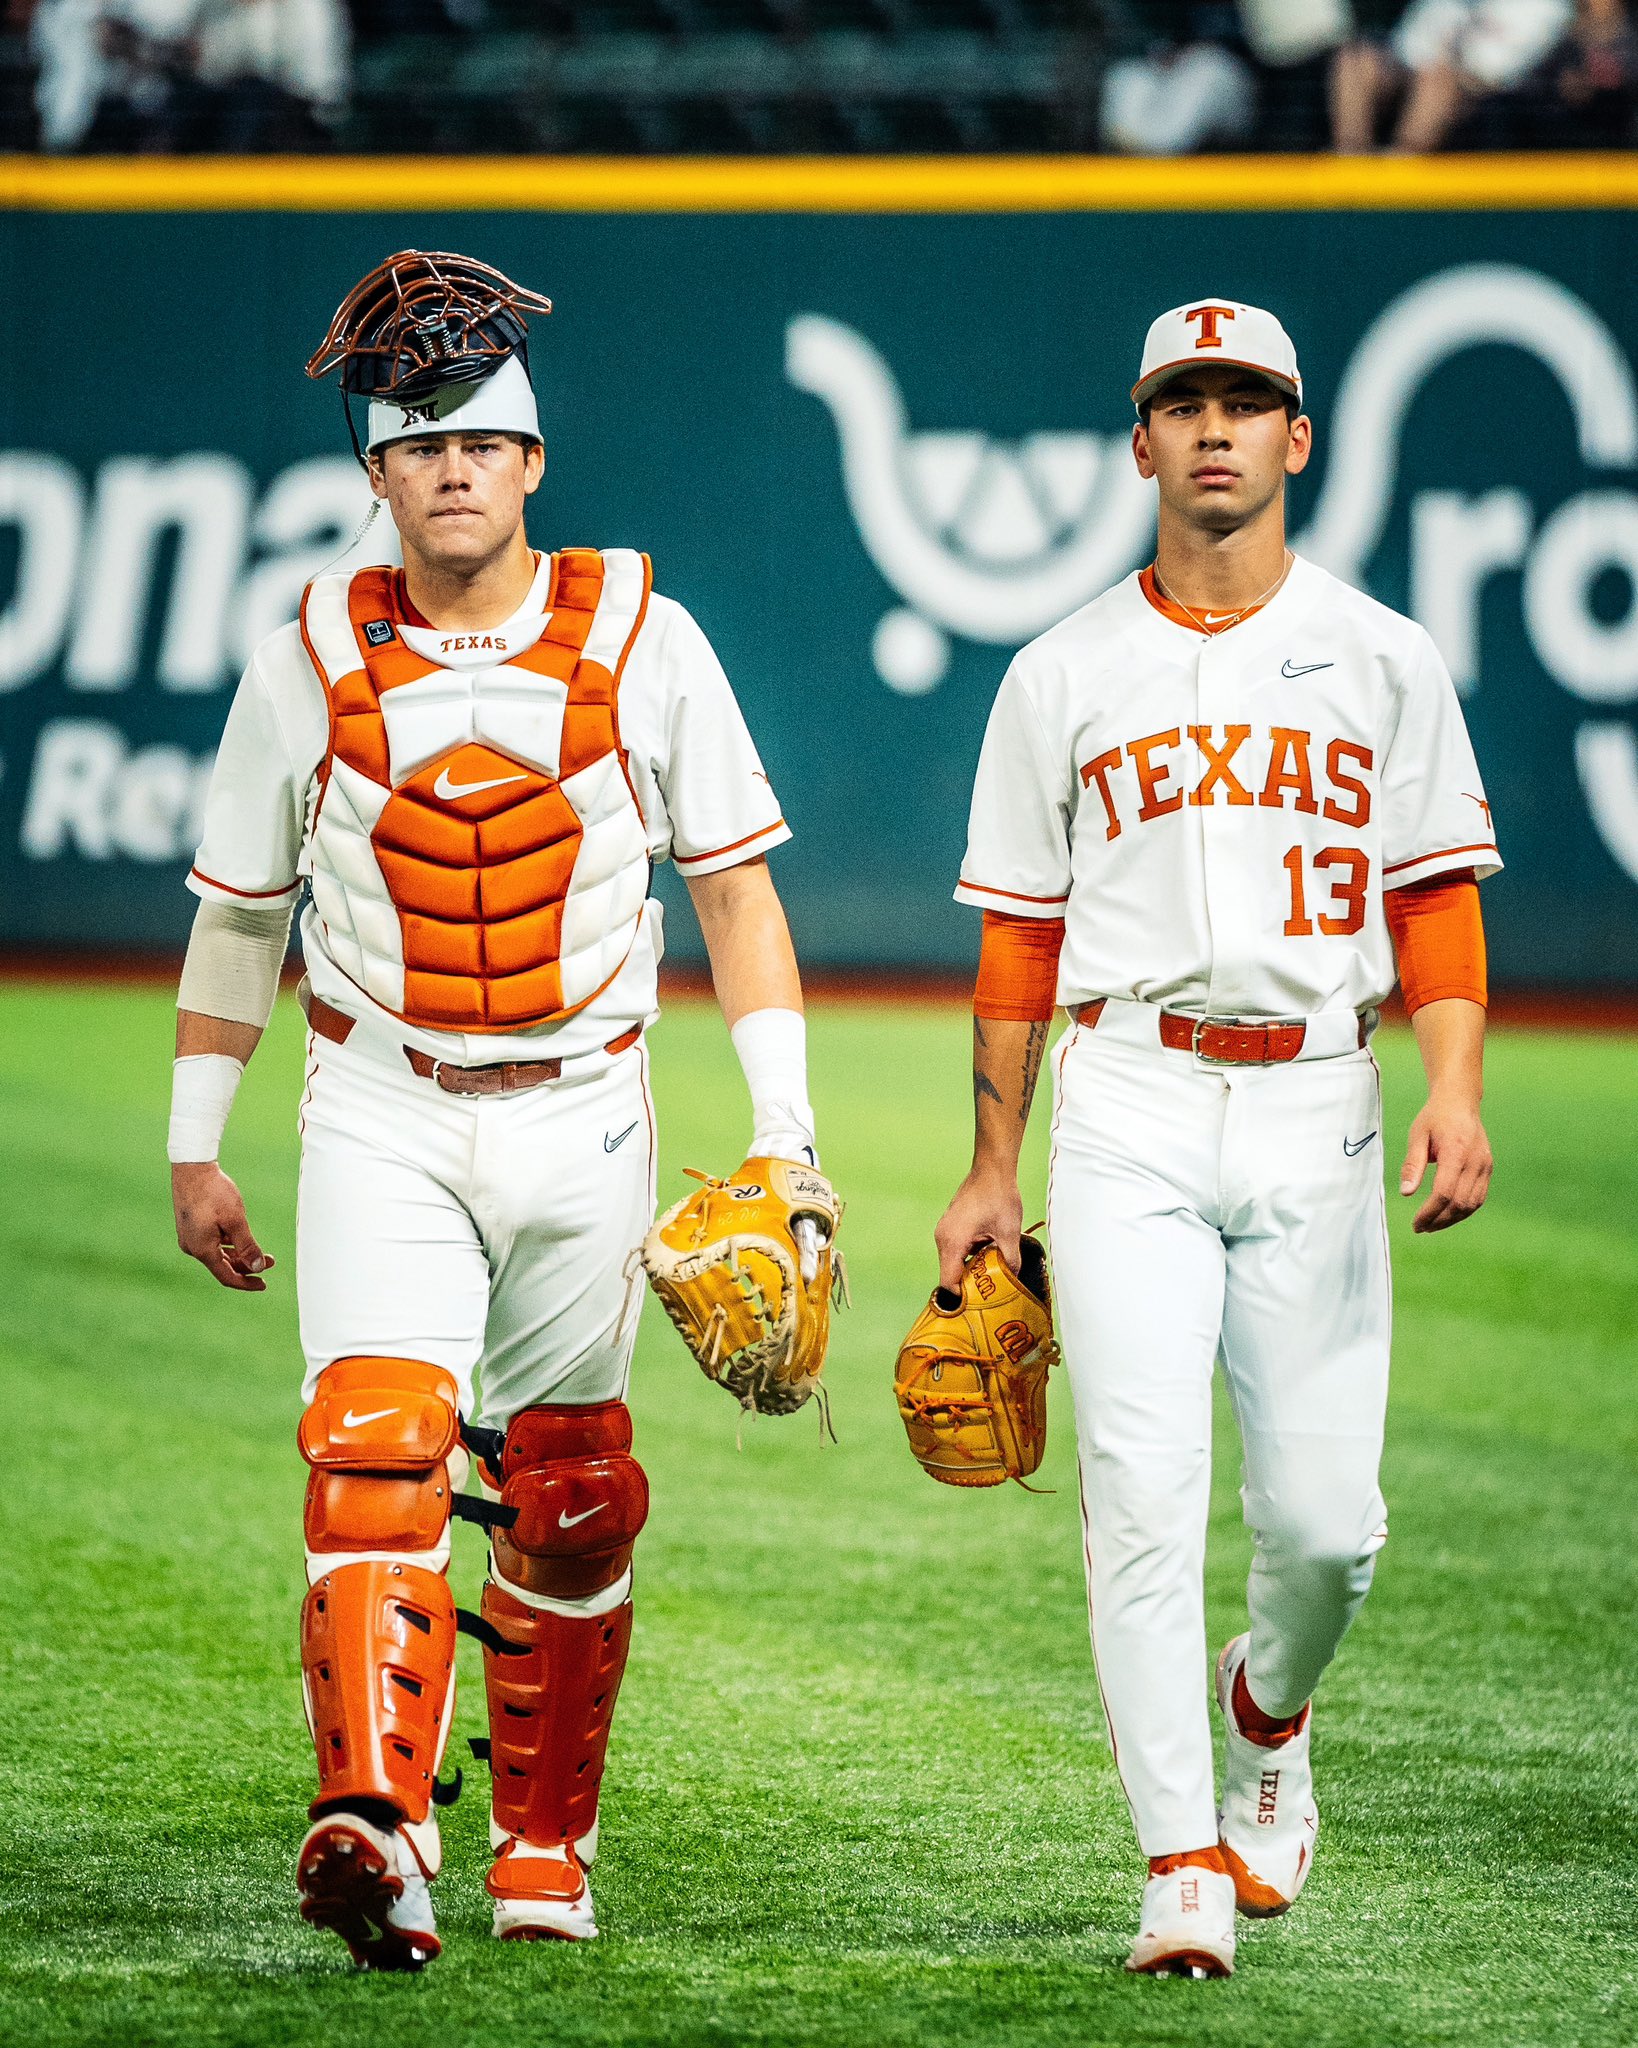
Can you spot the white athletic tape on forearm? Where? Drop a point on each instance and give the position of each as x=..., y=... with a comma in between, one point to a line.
x=233, y=962
x=203, y=1086
x=773, y=1050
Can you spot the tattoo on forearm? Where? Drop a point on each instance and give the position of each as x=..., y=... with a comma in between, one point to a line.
x=983, y=1086
x=1034, y=1052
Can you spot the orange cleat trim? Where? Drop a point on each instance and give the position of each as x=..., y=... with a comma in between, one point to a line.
x=1258, y=1901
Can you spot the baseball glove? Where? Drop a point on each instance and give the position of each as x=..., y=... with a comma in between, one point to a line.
x=972, y=1374
x=745, y=1268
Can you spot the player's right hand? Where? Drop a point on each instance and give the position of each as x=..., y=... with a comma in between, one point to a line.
x=211, y=1226
x=987, y=1209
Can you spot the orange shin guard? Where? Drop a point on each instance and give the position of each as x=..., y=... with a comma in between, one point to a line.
x=377, y=1656
x=550, y=1711
x=580, y=1500
x=378, y=1631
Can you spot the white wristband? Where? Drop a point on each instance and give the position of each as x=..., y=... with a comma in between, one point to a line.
x=203, y=1086
x=773, y=1049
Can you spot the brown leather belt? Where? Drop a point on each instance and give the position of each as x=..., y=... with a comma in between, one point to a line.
x=502, y=1077
x=1223, y=1042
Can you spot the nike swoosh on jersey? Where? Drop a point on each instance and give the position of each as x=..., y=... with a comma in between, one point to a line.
x=568, y=1521
x=352, y=1421
x=444, y=788
x=1218, y=618
x=1306, y=668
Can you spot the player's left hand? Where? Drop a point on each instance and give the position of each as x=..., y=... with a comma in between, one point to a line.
x=1448, y=1135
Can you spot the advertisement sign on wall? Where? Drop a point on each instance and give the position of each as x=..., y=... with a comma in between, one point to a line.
x=874, y=453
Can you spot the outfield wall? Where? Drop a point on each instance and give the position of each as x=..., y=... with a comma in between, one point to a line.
x=870, y=420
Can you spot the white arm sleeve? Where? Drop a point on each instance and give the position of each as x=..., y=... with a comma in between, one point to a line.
x=234, y=956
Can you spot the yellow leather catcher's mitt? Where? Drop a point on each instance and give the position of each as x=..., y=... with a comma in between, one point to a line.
x=745, y=1267
x=972, y=1374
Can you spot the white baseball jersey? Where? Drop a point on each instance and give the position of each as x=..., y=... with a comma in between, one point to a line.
x=705, y=800
x=1217, y=816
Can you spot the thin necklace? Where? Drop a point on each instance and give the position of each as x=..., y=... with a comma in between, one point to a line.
x=1224, y=619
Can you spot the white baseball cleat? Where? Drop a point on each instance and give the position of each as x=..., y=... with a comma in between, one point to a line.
x=1187, y=1928
x=1268, y=1821
x=541, y=1894
x=367, y=1886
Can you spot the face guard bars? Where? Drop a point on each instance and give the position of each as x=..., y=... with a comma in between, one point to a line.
x=422, y=319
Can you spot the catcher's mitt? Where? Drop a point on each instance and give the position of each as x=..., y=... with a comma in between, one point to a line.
x=972, y=1374
x=750, y=1299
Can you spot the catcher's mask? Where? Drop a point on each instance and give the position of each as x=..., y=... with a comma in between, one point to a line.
x=437, y=343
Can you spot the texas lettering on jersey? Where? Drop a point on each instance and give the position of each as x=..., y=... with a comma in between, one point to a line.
x=1217, y=818
x=1278, y=761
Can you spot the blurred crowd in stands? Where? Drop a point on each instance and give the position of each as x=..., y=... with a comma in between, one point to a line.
x=1141, y=77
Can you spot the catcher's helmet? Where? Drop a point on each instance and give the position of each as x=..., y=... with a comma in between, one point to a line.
x=423, y=319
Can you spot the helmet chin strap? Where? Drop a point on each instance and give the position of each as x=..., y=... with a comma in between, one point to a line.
x=352, y=430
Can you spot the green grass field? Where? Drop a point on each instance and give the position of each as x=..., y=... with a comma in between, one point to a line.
x=859, y=1790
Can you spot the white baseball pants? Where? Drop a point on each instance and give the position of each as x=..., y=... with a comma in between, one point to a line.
x=491, y=1235
x=1200, y=1212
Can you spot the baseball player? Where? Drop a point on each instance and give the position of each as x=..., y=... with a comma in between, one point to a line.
x=470, y=764
x=1210, y=806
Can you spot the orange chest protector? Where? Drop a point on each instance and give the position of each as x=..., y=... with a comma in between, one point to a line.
x=478, y=857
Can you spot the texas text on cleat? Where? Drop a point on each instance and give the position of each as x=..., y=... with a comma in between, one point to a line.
x=1268, y=1821
x=1187, y=1928
x=369, y=1887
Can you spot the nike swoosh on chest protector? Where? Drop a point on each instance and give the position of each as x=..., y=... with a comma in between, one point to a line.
x=352, y=1421
x=568, y=1521
x=446, y=789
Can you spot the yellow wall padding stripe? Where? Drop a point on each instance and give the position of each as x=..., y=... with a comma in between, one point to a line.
x=1070, y=184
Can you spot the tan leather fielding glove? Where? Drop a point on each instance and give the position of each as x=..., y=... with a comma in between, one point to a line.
x=728, y=1269
x=972, y=1374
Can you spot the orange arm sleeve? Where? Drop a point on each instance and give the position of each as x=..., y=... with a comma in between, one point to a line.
x=1018, y=967
x=1439, y=937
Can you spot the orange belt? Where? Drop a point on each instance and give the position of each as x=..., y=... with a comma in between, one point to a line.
x=1223, y=1042
x=503, y=1077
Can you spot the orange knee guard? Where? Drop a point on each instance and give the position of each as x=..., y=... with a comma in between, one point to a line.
x=378, y=1435
x=378, y=1633
x=580, y=1496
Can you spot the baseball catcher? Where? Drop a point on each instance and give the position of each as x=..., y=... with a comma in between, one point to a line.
x=468, y=766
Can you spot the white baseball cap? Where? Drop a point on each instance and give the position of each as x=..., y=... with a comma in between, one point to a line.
x=1217, y=331
x=501, y=404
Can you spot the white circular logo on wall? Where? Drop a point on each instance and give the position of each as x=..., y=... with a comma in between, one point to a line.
x=996, y=540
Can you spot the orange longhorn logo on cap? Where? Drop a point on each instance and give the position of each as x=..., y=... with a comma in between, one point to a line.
x=1208, y=316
